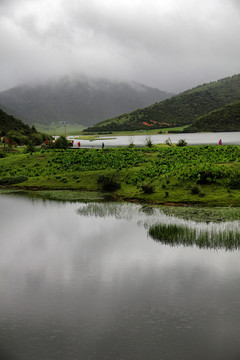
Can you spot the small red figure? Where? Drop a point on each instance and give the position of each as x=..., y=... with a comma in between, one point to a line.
x=220, y=142
x=79, y=144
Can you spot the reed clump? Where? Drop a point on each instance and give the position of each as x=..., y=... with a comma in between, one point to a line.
x=173, y=234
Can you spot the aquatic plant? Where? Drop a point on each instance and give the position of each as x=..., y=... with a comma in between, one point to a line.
x=175, y=234
x=182, y=142
x=169, y=142
x=149, y=142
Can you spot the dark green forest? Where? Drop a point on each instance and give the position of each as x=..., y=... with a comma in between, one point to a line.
x=227, y=117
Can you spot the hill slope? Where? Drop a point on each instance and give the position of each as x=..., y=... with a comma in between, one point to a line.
x=179, y=110
x=226, y=118
x=18, y=132
x=77, y=100
x=9, y=123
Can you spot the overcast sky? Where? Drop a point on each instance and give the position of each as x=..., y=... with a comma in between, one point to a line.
x=170, y=44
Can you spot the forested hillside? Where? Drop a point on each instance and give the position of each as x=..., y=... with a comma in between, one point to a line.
x=179, y=110
x=18, y=132
x=9, y=123
x=226, y=118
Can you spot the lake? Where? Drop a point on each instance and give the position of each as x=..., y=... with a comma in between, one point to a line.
x=228, y=138
x=86, y=281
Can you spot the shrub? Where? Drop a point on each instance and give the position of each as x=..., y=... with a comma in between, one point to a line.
x=30, y=147
x=195, y=190
x=131, y=144
x=9, y=180
x=208, y=176
x=61, y=143
x=182, y=142
x=147, y=188
x=149, y=142
x=109, y=182
x=168, y=142
x=234, y=183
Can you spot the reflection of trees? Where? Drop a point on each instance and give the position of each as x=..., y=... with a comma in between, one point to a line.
x=213, y=238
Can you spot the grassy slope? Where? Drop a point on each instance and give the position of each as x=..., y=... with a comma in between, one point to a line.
x=206, y=175
x=179, y=110
x=9, y=123
x=226, y=118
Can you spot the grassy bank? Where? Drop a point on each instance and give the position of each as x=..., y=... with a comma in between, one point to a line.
x=202, y=175
x=148, y=132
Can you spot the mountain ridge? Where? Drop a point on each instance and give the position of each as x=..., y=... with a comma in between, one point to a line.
x=79, y=100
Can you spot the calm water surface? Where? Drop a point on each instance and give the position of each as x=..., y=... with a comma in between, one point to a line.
x=85, y=281
x=228, y=138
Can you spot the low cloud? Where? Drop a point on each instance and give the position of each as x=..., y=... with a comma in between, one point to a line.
x=172, y=44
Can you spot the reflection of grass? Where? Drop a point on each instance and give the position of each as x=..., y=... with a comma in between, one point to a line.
x=109, y=209
x=173, y=234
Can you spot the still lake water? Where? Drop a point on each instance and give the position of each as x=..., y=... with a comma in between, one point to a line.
x=228, y=138
x=85, y=281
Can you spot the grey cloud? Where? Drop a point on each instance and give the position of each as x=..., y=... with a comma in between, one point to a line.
x=171, y=44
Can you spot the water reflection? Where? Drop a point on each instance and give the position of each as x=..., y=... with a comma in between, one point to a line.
x=170, y=230
x=86, y=287
x=116, y=210
x=228, y=138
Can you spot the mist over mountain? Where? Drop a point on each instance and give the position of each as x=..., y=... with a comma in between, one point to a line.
x=78, y=100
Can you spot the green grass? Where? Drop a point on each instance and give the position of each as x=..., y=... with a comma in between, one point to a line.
x=146, y=131
x=206, y=214
x=58, y=129
x=75, y=129
x=202, y=175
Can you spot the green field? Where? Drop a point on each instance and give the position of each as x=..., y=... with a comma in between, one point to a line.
x=58, y=129
x=73, y=129
x=201, y=175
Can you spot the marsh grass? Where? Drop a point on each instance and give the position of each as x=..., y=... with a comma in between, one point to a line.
x=203, y=214
x=174, y=234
